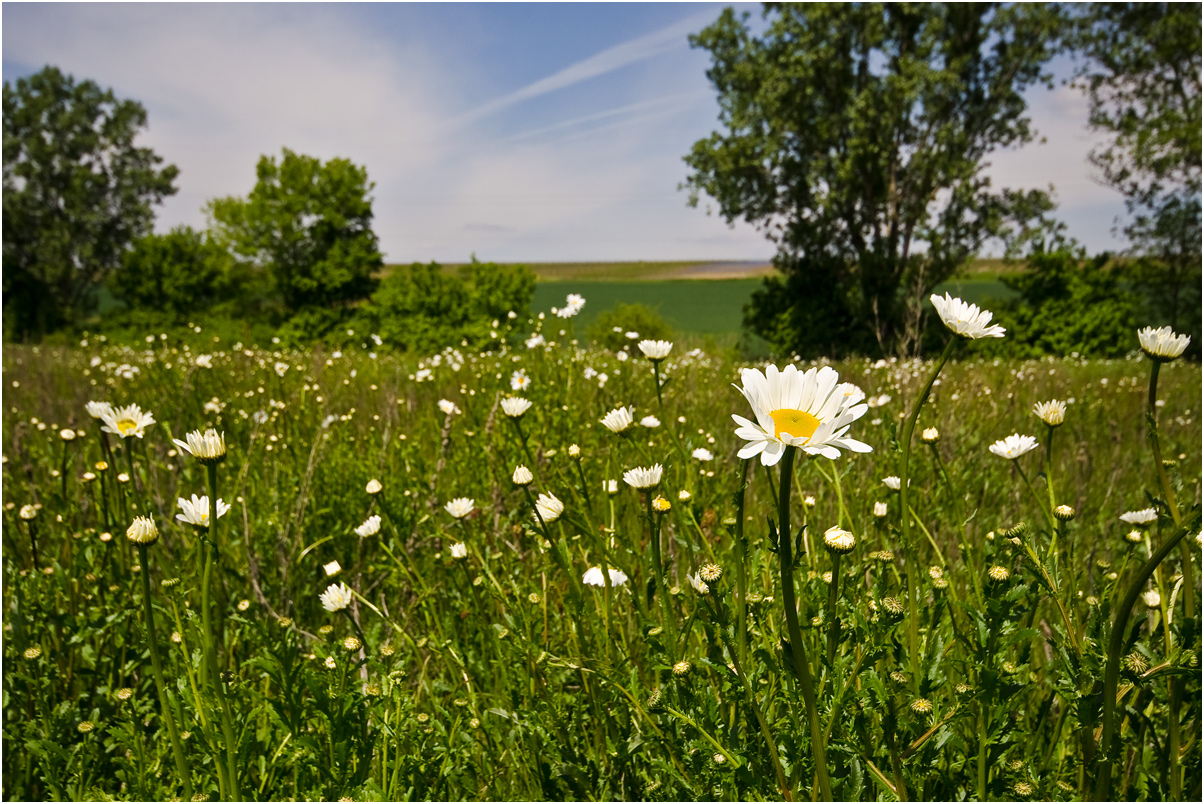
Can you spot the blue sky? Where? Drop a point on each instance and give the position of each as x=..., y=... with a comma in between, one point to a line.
x=518, y=132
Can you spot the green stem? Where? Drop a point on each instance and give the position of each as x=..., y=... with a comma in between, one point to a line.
x=214, y=675
x=1103, y=785
x=833, y=620
x=913, y=583
x=741, y=568
x=1189, y=583
x=157, y=666
x=797, y=651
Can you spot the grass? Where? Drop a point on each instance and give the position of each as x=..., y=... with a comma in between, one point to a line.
x=500, y=675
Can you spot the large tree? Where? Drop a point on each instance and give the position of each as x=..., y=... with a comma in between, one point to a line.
x=1142, y=75
x=307, y=227
x=77, y=191
x=856, y=137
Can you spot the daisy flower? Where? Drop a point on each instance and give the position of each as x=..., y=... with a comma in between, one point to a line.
x=640, y=478
x=127, y=421
x=448, y=407
x=618, y=420
x=1143, y=517
x=549, y=508
x=196, y=510
x=1014, y=446
x=515, y=406
x=336, y=597
x=1052, y=412
x=371, y=526
x=207, y=447
x=1163, y=343
x=519, y=381
x=965, y=319
x=98, y=410
x=656, y=350
x=460, y=507
x=594, y=577
x=458, y=550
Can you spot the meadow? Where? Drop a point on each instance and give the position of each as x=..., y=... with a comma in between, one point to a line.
x=423, y=589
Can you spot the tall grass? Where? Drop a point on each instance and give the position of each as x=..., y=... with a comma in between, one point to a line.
x=501, y=675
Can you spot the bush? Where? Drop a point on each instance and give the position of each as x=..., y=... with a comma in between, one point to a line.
x=610, y=328
x=175, y=275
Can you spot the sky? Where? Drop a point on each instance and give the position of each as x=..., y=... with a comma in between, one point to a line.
x=538, y=132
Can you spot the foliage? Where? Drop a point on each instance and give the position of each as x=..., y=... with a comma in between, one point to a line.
x=856, y=138
x=307, y=226
x=1068, y=305
x=610, y=328
x=179, y=275
x=77, y=192
x=425, y=309
x=1142, y=75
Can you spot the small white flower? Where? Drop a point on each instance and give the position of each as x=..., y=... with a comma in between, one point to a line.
x=702, y=454
x=1052, y=412
x=535, y=341
x=965, y=319
x=128, y=421
x=1014, y=446
x=522, y=476
x=656, y=350
x=893, y=483
x=371, y=526
x=632, y=336
x=460, y=507
x=549, y=508
x=519, y=381
x=373, y=487
x=515, y=406
x=594, y=577
x=879, y=509
x=204, y=361
x=448, y=407
x=618, y=420
x=208, y=447
x=650, y=422
x=572, y=305
x=1163, y=343
x=331, y=568
x=196, y=510
x=641, y=478
x=683, y=496
x=610, y=487
x=1151, y=598
x=142, y=531
x=1143, y=517
x=458, y=550
x=99, y=410
x=700, y=586
x=336, y=597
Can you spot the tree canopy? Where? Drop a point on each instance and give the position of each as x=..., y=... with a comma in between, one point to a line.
x=855, y=137
x=77, y=192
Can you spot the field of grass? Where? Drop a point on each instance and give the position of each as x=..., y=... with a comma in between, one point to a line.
x=970, y=644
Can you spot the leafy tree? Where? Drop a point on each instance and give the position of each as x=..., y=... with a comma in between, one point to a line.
x=77, y=192
x=1142, y=76
x=856, y=137
x=307, y=229
x=176, y=275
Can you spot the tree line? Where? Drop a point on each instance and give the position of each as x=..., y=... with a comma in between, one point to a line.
x=855, y=136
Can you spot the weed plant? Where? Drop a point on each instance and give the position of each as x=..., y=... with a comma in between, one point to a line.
x=979, y=649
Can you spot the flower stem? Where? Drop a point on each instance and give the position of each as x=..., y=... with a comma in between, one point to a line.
x=786, y=567
x=157, y=666
x=210, y=651
x=1189, y=583
x=833, y=620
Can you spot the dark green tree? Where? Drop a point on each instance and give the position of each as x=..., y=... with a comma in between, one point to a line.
x=307, y=229
x=855, y=138
x=175, y=275
x=77, y=192
x=1141, y=72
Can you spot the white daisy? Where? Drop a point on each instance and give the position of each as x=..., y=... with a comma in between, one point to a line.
x=515, y=406
x=655, y=350
x=460, y=507
x=549, y=508
x=332, y=568
x=522, y=476
x=640, y=478
x=810, y=410
x=196, y=510
x=650, y=422
x=965, y=319
x=1014, y=446
x=1163, y=343
x=336, y=597
x=373, y=487
x=594, y=577
x=1052, y=412
x=128, y=421
x=1143, y=517
x=371, y=526
x=142, y=531
x=519, y=381
x=98, y=410
x=702, y=454
x=880, y=509
x=893, y=483
x=448, y=407
x=458, y=550
x=618, y=420
x=207, y=447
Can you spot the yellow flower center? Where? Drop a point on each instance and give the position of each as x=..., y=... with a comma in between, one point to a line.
x=126, y=425
x=796, y=423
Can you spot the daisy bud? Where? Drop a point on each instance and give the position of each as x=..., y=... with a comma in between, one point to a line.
x=681, y=668
x=373, y=487
x=660, y=505
x=683, y=496
x=892, y=608
x=522, y=476
x=710, y=572
x=930, y=435
x=1064, y=513
x=67, y=435
x=998, y=574
x=1151, y=598
x=839, y=542
x=921, y=706
x=574, y=451
x=1052, y=413
x=458, y=550
x=880, y=509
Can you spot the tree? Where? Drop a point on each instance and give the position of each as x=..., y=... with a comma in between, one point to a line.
x=856, y=138
x=307, y=227
x=1142, y=77
x=175, y=275
x=77, y=192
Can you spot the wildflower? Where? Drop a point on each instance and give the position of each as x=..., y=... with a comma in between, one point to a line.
x=594, y=577
x=123, y=477
x=330, y=663
x=519, y=381
x=142, y=531
x=515, y=406
x=458, y=550
x=1162, y=344
x=655, y=351
x=1064, y=512
x=67, y=434
x=809, y=410
x=32, y=653
x=964, y=319
x=87, y=477
x=1052, y=412
x=574, y=451
x=931, y=435
x=710, y=572
x=611, y=487
x=650, y=422
x=1135, y=663
x=921, y=706
x=522, y=476
x=85, y=726
x=373, y=487
x=661, y=505
x=683, y=496
x=702, y=454
x=196, y=511
x=460, y=507
x=243, y=605
x=893, y=608
x=336, y=597
x=700, y=586
x=127, y=421
x=839, y=542
x=618, y=420
x=28, y=512
x=893, y=483
x=124, y=694
x=998, y=574
x=535, y=341
x=572, y=305
x=448, y=407
x=1151, y=598
x=208, y=448
x=371, y=526
x=681, y=668
x=879, y=509
x=549, y=508
x=99, y=410
x=105, y=537
x=332, y=568
x=204, y=361
x=641, y=478
x=1133, y=537
x=1141, y=518
x=1013, y=446
x=352, y=643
